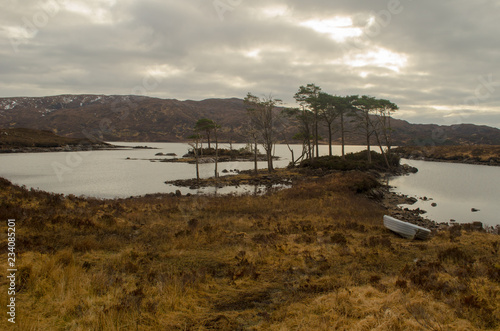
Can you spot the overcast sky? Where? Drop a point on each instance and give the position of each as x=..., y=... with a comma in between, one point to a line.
x=437, y=59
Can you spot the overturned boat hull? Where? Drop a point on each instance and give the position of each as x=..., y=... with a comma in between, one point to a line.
x=405, y=229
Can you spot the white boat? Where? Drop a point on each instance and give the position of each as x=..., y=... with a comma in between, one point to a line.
x=405, y=229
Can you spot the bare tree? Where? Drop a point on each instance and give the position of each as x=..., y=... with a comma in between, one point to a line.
x=215, y=129
x=195, y=144
x=365, y=106
x=302, y=118
x=379, y=125
x=262, y=118
x=385, y=114
x=382, y=126
x=344, y=108
x=306, y=96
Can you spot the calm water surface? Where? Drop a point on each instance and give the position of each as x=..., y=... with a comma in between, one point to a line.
x=455, y=188
x=108, y=174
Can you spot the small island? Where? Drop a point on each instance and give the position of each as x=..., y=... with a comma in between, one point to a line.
x=210, y=155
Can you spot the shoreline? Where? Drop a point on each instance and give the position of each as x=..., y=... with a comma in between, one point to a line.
x=467, y=161
x=392, y=200
x=77, y=148
x=382, y=194
x=465, y=154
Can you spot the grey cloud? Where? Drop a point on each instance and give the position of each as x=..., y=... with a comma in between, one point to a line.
x=450, y=45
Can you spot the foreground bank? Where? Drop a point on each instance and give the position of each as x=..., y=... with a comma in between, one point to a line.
x=314, y=256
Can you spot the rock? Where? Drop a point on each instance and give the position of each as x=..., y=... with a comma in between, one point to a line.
x=434, y=204
x=477, y=226
x=411, y=200
x=376, y=194
x=474, y=210
x=408, y=169
x=159, y=154
x=178, y=193
x=443, y=226
x=225, y=171
x=205, y=160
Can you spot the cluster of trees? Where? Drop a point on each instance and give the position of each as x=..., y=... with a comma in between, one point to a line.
x=320, y=108
x=316, y=109
x=207, y=127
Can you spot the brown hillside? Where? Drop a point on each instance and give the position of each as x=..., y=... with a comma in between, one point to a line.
x=20, y=138
x=137, y=118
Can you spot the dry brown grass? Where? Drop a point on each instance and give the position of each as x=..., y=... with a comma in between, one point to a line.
x=311, y=257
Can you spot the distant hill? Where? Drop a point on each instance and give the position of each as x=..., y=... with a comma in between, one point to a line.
x=142, y=119
x=31, y=138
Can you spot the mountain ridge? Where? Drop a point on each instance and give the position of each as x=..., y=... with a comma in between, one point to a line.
x=142, y=119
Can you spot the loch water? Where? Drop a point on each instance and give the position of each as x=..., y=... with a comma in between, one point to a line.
x=456, y=189
x=122, y=173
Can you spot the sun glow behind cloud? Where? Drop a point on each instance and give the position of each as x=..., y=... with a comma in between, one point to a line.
x=254, y=53
x=274, y=11
x=97, y=12
x=337, y=28
x=340, y=29
x=378, y=57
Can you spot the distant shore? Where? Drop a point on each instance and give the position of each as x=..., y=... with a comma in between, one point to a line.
x=68, y=148
x=467, y=154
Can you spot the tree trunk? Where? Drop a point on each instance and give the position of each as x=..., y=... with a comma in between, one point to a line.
x=384, y=154
x=255, y=156
x=197, y=163
x=309, y=148
x=269, y=153
x=216, y=153
x=330, y=139
x=368, y=138
x=316, y=138
x=343, y=134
